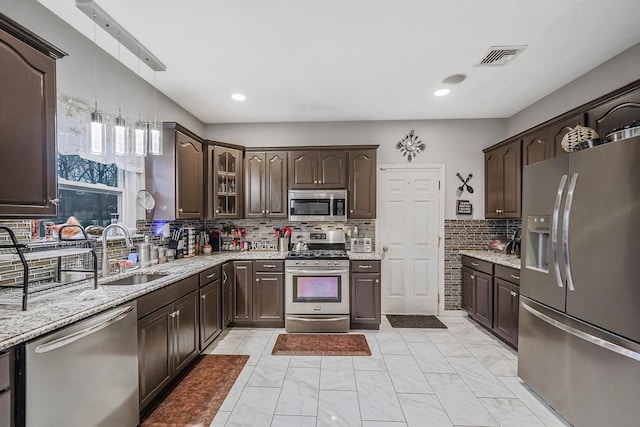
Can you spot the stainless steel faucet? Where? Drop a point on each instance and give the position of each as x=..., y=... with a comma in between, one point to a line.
x=105, y=260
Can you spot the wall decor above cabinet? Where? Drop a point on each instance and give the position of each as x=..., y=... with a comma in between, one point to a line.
x=309, y=169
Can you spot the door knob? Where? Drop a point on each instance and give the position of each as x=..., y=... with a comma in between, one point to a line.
x=180, y=210
x=385, y=248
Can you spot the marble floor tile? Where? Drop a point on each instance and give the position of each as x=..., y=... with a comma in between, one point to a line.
x=337, y=373
x=378, y=399
x=457, y=399
x=220, y=419
x=449, y=346
x=299, y=394
x=305, y=361
x=413, y=335
x=511, y=412
x=391, y=343
x=293, y=421
x=406, y=375
x=479, y=379
x=423, y=409
x=338, y=409
x=255, y=407
x=234, y=394
x=269, y=372
x=429, y=358
x=253, y=346
x=539, y=407
x=383, y=424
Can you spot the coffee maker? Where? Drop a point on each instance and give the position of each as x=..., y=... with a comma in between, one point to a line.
x=515, y=244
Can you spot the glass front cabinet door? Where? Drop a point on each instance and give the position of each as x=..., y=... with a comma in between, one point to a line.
x=225, y=182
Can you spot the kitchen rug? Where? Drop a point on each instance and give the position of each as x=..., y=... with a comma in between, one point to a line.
x=415, y=321
x=321, y=345
x=197, y=398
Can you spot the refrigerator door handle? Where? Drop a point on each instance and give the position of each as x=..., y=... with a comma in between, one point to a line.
x=582, y=335
x=565, y=230
x=554, y=231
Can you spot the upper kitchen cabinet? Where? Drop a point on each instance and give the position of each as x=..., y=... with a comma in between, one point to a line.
x=559, y=129
x=615, y=113
x=503, y=178
x=537, y=146
x=224, y=182
x=27, y=123
x=175, y=178
x=265, y=184
x=362, y=184
x=310, y=169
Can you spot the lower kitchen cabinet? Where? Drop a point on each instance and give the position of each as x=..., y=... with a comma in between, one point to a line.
x=243, y=291
x=258, y=293
x=210, y=306
x=365, y=295
x=505, y=314
x=227, y=294
x=6, y=389
x=483, y=312
x=167, y=336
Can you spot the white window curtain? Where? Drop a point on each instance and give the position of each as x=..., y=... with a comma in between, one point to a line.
x=73, y=119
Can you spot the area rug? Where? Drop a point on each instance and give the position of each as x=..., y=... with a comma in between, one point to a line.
x=415, y=321
x=197, y=398
x=321, y=345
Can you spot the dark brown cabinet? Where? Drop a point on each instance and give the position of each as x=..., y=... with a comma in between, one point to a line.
x=503, y=176
x=175, y=178
x=6, y=389
x=227, y=294
x=506, y=309
x=224, y=182
x=362, y=184
x=268, y=291
x=615, y=113
x=310, y=169
x=559, y=129
x=265, y=181
x=537, y=146
x=243, y=291
x=477, y=285
x=468, y=290
x=210, y=306
x=167, y=336
x=364, y=295
x=27, y=123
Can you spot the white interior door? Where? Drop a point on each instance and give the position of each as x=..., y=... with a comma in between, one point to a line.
x=409, y=225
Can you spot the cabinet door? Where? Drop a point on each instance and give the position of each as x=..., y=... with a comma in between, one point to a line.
x=268, y=297
x=186, y=330
x=227, y=294
x=332, y=169
x=493, y=183
x=505, y=310
x=468, y=290
x=6, y=409
x=155, y=346
x=616, y=113
x=558, y=130
x=483, y=312
x=365, y=298
x=276, y=184
x=243, y=290
x=189, y=179
x=254, y=185
x=362, y=184
x=210, y=314
x=27, y=131
x=536, y=147
x=227, y=182
x=512, y=178
x=303, y=169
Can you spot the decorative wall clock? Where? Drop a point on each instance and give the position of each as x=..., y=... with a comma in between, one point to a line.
x=410, y=146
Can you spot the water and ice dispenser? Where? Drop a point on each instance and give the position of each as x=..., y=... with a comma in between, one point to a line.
x=538, y=246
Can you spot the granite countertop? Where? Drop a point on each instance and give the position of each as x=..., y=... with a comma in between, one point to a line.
x=56, y=311
x=500, y=258
x=364, y=256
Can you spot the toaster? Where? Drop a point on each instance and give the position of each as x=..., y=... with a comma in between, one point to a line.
x=361, y=244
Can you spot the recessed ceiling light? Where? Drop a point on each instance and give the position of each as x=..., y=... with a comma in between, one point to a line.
x=441, y=92
x=238, y=97
x=454, y=79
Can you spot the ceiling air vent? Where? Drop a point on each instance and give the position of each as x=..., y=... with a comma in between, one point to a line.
x=500, y=55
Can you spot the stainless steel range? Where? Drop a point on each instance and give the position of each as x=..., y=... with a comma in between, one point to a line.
x=317, y=284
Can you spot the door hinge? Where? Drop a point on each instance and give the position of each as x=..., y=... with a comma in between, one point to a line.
x=438, y=185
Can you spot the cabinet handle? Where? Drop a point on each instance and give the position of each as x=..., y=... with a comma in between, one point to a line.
x=217, y=210
x=513, y=294
x=173, y=314
x=262, y=212
x=212, y=275
x=224, y=277
x=180, y=210
x=55, y=201
x=350, y=210
x=365, y=266
x=257, y=280
x=473, y=277
x=269, y=266
x=513, y=276
x=475, y=264
x=203, y=296
x=178, y=313
x=377, y=280
x=267, y=211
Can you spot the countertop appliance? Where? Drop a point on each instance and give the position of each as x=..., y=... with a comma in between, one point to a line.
x=318, y=205
x=83, y=375
x=361, y=244
x=317, y=284
x=579, y=323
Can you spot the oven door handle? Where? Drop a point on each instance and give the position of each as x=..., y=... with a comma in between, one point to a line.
x=317, y=272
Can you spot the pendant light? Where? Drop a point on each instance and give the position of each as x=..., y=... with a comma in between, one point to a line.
x=155, y=127
x=96, y=126
x=120, y=130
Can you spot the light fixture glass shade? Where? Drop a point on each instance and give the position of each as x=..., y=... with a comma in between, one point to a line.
x=140, y=139
x=120, y=137
x=155, y=138
x=96, y=133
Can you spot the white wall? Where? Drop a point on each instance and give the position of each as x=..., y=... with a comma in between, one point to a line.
x=455, y=143
x=117, y=85
x=613, y=74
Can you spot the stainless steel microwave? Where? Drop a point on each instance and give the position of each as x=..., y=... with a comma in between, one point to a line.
x=318, y=205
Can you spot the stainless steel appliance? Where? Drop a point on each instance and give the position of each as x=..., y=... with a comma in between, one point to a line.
x=317, y=205
x=361, y=244
x=579, y=325
x=85, y=374
x=317, y=284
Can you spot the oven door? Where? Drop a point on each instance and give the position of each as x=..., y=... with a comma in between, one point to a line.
x=316, y=291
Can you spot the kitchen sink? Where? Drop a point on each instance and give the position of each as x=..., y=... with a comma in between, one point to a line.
x=136, y=279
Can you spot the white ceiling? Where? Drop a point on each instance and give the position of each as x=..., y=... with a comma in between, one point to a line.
x=334, y=60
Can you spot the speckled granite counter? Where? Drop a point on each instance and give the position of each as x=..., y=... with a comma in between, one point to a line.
x=495, y=257
x=59, y=310
x=364, y=256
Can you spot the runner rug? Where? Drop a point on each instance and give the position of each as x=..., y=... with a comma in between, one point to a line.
x=197, y=398
x=321, y=345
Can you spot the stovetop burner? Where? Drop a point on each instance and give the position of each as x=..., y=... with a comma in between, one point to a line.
x=318, y=254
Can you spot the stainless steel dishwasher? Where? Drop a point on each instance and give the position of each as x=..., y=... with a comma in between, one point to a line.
x=85, y=374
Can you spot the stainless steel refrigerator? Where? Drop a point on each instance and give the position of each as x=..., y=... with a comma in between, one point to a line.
x=579, y=325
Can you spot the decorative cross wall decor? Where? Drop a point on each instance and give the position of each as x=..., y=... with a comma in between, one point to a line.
x=410, y=146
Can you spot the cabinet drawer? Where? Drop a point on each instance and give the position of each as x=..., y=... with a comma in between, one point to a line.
x=507, y=273
x=477, y=264
x=5, y=371
x=269, y=266
x=365, y=266
x=210, y=275
x=153, y=301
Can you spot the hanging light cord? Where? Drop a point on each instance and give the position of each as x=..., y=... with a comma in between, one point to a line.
x=95, y=63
